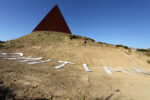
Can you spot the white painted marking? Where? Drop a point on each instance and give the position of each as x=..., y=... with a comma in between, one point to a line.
x=128, y=73
x=21, y=54
x=35, y=58
x=10, y=58
x=31, y=59
x=140, y=70
x=66, y=62
x=107, y=70
x=6, y=54
x=86, y=68
x=3, y=54
x=22, y=58
x=115, y=70
x=40, y=62
x=62, y=65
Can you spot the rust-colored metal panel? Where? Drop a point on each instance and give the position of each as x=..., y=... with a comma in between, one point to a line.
x=54, y=21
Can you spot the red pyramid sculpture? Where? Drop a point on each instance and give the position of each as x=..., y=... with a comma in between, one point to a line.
x=54, y=21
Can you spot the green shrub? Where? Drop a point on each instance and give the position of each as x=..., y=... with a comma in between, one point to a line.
x=2, y=41
x=147, y=53
x=126, y=47
x=91, y=39
x=148, y=61
x=104, y=43
x=6, y=94
x=73, y=37
x=143, y=50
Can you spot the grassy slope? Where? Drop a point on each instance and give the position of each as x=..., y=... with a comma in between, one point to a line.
x=48, y=38
x=61, y=46
x=72, y=79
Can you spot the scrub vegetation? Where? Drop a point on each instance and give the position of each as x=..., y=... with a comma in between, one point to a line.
x=1, y=44
x=48, y=38
x=143, y=50
x=126, y=47
x=6, y=94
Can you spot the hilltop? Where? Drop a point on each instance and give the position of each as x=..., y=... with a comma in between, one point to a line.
x=51, y=38
x=72, y=82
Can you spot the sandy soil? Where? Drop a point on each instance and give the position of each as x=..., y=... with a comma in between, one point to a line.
x=72, y=82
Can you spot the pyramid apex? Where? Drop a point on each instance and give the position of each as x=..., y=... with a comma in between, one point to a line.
x=53, y=21
x=56, y=6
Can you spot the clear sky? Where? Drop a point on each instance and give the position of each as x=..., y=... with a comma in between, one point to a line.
x=124, y=22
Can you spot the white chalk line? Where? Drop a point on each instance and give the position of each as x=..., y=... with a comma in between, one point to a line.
x=23, y=59
x=27, y=59
x=17, y=58
x=86, y=68
x=40, y=62
x=5, y=54
x=64, y=64
x=139, y=70
x=30, y=59
x=109, y=71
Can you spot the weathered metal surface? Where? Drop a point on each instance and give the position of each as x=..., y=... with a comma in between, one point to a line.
x=54, y=21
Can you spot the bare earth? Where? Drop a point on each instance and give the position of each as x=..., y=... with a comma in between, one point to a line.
x=72, y=82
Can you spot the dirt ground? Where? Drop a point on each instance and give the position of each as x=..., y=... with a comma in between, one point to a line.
x=72, y=82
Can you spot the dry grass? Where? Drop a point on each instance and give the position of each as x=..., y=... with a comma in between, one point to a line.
x=71, y=81
x=48, y=38
x=59, y=46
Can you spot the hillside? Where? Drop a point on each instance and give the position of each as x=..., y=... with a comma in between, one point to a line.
x=49, y=38
x=129, y=79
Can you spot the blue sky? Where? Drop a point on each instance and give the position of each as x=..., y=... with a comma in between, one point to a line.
x=124, y=22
